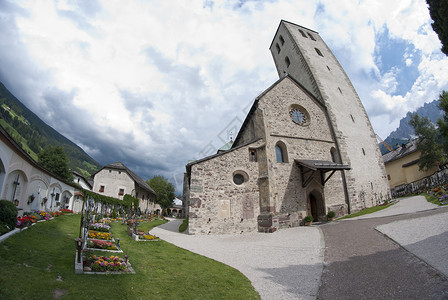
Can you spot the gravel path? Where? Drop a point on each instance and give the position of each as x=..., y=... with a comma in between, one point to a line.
x=286, y=264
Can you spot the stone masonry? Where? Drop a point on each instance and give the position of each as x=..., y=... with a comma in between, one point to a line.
x=305, y=148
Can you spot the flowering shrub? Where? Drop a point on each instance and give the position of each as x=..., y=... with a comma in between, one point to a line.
x=66, y=211
x=24, y=221
x=43, y=215
x=99, y=235
x=99, y=244
x=100, y=227
x=55, y=214
x=105, y=263
x=149, y=237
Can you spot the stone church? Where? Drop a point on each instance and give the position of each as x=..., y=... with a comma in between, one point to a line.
x=305, y=148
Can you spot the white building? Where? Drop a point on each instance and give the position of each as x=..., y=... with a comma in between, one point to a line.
x=116, y=180
x=27, y=184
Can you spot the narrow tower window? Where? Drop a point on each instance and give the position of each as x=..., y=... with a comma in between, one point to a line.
x=353, y=119
x=277, y=47
x=282, y=40
x=303, y=33
x=318, y=52
x=311, y=37
x=340, y=91
x=363, y=151
x=328, y=68
x=287, y=61
x=253, y=155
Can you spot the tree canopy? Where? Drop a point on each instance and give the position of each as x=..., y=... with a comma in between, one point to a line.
x=442, y=123
x=432, y=142
x=438, y=10
x=54, y=159
x=428, y=142
x=164, y=190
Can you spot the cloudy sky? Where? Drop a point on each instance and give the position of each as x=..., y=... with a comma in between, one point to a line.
x=154, y=84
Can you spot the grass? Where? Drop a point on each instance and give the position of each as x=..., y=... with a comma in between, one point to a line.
x=366, y=211
x=39, y=262
x=432, y=199
x=150, y=225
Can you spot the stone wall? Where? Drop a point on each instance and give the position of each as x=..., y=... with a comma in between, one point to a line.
x=216, y=204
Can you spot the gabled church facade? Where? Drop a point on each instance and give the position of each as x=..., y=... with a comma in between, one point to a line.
x=305, y=148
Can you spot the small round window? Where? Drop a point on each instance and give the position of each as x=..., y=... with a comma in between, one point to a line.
x=299, y=115
x=240, y=177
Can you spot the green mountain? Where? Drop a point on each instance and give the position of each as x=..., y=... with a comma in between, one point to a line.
x=33, y=134
x=405, y=131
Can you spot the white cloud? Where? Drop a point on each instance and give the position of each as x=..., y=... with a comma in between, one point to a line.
x=160, y=81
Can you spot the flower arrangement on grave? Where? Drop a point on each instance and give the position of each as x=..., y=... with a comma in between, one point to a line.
x=107, y=263
x=100, y=227
x=55, y=214
x=43, y=215
x=100, y=235
x=444, y=199
x=100, y=244
x=149, y=237
x=66, y=211
x=23, y=221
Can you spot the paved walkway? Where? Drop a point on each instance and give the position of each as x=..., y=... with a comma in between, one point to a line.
x=403, y=206
x=360, y=262
x=286, y=264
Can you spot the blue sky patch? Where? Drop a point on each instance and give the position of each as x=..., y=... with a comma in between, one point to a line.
x=399, y=55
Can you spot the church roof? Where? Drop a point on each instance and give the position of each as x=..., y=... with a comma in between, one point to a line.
x=226, y=147
x=140, y=182
x=254, y=105
x=193, y=162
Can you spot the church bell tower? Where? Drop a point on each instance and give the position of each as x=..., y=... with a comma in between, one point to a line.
x=302, y=54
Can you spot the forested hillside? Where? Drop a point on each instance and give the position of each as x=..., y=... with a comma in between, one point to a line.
x=34, y=134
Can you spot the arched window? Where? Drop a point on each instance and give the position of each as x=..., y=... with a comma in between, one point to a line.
x=281, y=153
x=334, y=155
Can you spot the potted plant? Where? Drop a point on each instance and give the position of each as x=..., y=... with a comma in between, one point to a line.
x=331, y=215
x=308, y=220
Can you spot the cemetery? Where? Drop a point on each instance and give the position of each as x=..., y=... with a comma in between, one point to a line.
x=95, y=253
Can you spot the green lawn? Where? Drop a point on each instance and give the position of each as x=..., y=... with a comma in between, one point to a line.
x=366, y=211
x=39, y=262
x=432, y=199
x=150, y=225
